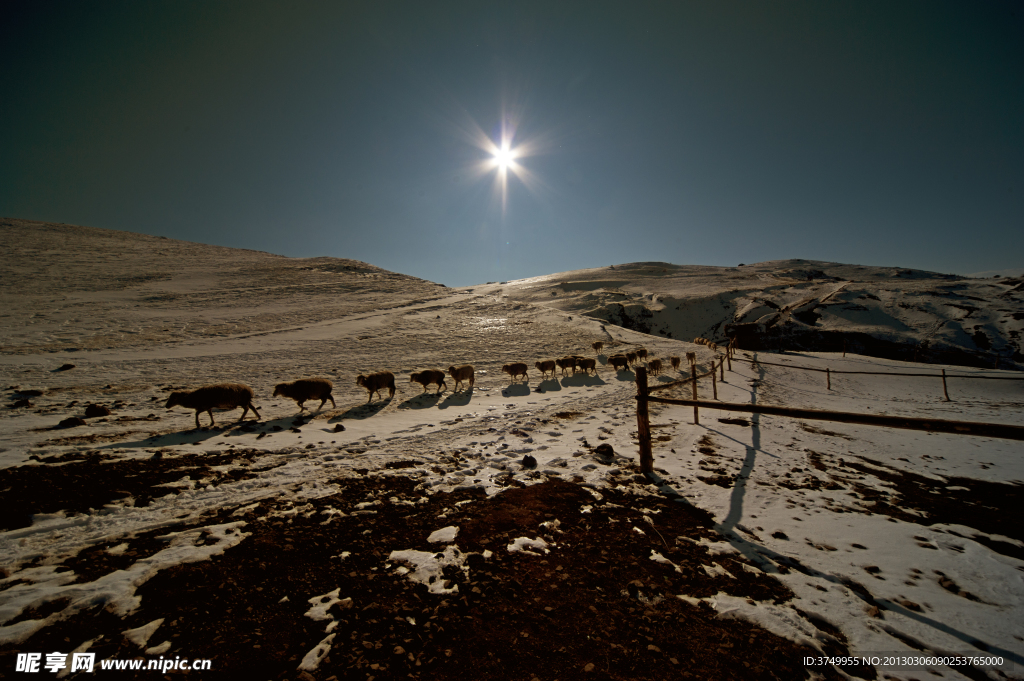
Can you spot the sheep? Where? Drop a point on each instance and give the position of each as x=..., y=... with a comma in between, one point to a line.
x=210, y=397
x=713, y=346
x=374, y=383
x=566, y=363
x=700, y=341
x=631, y=358
x=462, y=374
x=516, y=369
x=586, y=364
x=307, y=389
x=641, y=353
x=546, y=366
x=619, y=362
x=429, y=376
x=674, y=361
x=654, y=366
x=598, y=346
x=691, y=358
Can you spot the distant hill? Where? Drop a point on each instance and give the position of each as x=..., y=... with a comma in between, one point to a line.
x=66, y=286
x=890, y=312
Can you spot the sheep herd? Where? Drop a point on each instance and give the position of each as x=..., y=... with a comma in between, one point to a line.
x=235, y=395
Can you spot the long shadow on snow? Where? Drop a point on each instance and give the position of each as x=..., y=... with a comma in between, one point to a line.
x=459, y=399
x=549, y=385
x=421, y=401
x=516, y=390
x=625, y=375
x=193, y=436
x=580, y=380
x=364, y=411
x=768, y=559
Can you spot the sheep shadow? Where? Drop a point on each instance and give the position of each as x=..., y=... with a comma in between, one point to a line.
x=549, y=385
x=581, y=380
x=363, y=411
x=625, y=375
x=459, y=399
x=421, y=401
x=191, y=436
x=516, y=390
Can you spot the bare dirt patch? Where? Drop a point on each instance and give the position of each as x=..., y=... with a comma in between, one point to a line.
x=87, y=484
x=595, y=605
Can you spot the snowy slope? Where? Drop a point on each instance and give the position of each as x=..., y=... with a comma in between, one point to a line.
x=800, y=304
x=905, y=542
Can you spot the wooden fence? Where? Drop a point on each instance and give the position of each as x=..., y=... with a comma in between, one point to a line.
x=644, y=397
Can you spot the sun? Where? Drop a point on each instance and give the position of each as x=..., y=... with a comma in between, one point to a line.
x=503, y=157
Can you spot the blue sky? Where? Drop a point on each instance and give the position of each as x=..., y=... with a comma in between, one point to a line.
x=875, y=133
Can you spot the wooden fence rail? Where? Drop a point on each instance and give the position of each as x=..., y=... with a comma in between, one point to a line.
x=881, y=373
x=643, y=397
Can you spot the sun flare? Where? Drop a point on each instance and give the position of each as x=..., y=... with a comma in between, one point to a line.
x=503, y=157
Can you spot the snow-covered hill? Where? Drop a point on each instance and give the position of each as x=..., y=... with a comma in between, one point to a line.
x=324, y=544
x=800, y=304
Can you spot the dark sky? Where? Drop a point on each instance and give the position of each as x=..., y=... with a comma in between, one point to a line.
x=877, y=133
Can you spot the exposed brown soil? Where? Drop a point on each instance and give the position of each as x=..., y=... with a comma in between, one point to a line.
x=90, y=483
x=596, y=606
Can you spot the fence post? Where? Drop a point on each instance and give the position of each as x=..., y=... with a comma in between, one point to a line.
x=693, y=381
x=714, y=382
x=721, y=367
x=643, y=422
x=944, y=391
x=729, y=357
x=828, y=378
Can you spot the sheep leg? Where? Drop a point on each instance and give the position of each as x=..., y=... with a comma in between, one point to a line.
x=245, y=410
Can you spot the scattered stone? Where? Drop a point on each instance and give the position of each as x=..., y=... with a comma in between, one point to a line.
x=71, y=422
x=529, y=462
x=589, y=667
x=779, y=534
x=65, y=367
x=339, y=428
x=94, y=410
x=21, y=403
x=605, y=451
x=30, y=393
